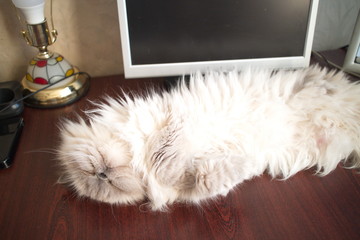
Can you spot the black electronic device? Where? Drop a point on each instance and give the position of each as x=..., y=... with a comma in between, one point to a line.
x=10, y=130
x=11, y=123
x=10, y=93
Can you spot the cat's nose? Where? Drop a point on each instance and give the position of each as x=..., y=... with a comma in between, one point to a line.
x=101, y=175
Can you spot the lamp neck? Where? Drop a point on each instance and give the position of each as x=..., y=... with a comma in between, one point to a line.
x=39, y=35
x=44, y=53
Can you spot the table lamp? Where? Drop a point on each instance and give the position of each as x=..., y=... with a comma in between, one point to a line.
x=50, y=80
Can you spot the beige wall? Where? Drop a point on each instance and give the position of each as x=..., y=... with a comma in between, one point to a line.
x=88, y=38
x=89, y=34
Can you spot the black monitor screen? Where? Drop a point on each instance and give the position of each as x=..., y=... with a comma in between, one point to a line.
x=171, y=31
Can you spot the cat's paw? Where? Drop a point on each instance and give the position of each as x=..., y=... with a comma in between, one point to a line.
x=213, y=182
x=168, y=155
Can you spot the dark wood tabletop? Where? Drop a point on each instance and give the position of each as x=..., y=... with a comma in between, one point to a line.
x=34, y=206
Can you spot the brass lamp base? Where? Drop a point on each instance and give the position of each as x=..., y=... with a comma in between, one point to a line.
x=56, y=97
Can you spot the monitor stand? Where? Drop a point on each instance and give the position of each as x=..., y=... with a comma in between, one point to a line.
x=172, y=82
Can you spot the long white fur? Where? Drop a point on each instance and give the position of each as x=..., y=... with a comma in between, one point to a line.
x=202, y=139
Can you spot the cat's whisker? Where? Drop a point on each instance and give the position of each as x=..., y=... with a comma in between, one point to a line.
x=44, y=150
x=113, y=214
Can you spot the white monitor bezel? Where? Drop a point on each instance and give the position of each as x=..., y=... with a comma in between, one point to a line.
x=183, y=68
x=349, y=63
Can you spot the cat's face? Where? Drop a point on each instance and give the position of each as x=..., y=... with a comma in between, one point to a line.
x=97, y=164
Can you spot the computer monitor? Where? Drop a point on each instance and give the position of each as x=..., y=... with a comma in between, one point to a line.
x=175, y=38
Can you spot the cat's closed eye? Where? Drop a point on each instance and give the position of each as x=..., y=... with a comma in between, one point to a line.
x=102, y=176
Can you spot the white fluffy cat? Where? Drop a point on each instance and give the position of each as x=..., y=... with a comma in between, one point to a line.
x=201, y=139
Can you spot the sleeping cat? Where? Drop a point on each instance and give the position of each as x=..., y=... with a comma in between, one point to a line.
x=203, y=138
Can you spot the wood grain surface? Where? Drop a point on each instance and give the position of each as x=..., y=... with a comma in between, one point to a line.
x=34, y=206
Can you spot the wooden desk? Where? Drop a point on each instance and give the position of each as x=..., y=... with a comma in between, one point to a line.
x=33, y=206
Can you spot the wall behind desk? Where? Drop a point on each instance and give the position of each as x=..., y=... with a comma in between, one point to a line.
x=88, y=38
x=89, y=34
